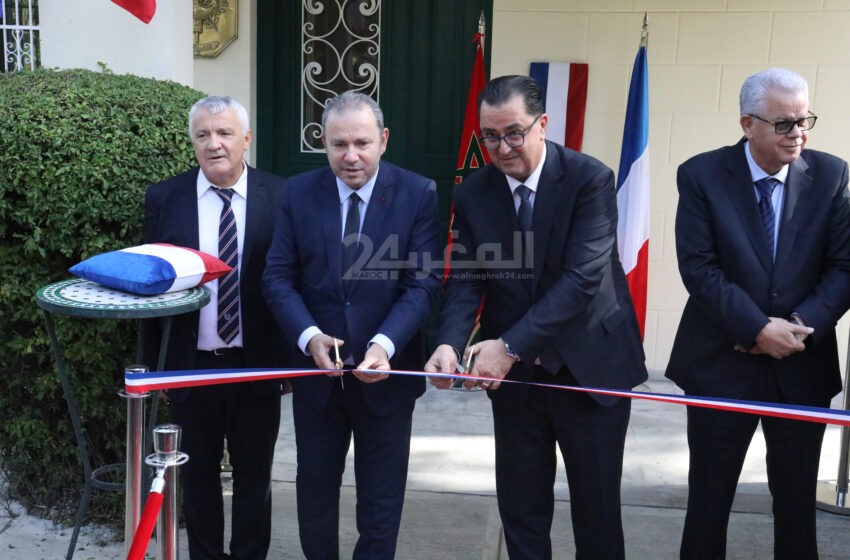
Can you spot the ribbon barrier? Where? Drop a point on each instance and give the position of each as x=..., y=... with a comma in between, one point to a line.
x=138, y=382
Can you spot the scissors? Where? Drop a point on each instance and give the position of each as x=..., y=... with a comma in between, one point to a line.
x=338, y=361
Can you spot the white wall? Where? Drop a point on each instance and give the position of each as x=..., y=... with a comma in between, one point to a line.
x=699, y=53
x=233, y=72
x=80, y=33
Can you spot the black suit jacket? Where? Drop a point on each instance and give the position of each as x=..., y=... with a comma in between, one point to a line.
x=171, y=216
x=734, y=285
x=302, y=286
x=575, y=310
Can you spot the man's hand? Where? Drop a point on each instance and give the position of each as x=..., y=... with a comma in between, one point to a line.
x=778, y=338
x=491, y=360
x=443, y=360
x=321, y=347
x=375, y=358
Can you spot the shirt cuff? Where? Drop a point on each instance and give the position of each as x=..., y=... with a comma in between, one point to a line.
x=385, y=343
x=305, y=337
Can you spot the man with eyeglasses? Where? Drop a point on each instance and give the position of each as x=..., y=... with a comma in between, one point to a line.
x=535, y=235
x=763, y=241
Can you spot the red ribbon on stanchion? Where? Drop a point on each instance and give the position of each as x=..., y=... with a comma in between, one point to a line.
x=149, y=515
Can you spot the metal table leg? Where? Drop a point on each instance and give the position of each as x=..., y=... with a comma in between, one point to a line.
x=82, y=447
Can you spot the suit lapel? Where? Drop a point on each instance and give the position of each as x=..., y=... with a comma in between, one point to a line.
x=256, y=204
x=545, y=204
x=328, y=209
x=187, y=202
x=372, y=234
x=379, y=205
x=796, y=185
x=739, y=185
x=498, y=201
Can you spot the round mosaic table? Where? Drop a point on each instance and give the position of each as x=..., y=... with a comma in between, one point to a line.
x=81, y=298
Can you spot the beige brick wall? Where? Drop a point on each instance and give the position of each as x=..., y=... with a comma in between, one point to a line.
x=699, y=53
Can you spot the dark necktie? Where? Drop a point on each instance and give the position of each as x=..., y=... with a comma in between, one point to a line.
x=765, y=188
x=525, y=210
x=350, y=237
x=228, y=285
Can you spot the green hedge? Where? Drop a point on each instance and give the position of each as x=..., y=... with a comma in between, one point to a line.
x=77, y=149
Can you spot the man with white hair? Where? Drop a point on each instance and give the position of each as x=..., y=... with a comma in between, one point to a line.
x=224, y=208
x=763, y=242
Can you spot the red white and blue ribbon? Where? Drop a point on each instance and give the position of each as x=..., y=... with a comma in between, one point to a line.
x=158, y=380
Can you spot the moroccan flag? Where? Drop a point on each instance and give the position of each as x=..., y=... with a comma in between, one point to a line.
x=633, y=188
x=472, y=154
x=564, y=100
x=142, y=9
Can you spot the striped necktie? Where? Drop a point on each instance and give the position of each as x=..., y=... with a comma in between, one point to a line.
x=228, y=285
x=765, y=187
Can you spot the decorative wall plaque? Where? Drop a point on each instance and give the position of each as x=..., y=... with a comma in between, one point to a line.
x=215, y=24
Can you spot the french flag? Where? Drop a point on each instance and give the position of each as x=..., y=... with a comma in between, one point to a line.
x=633, y=188
x=564, y=100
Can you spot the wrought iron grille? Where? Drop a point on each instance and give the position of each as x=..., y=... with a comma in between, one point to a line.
x=20, y=34
x=340, y=51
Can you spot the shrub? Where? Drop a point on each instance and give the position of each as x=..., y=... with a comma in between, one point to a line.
x=77, y=150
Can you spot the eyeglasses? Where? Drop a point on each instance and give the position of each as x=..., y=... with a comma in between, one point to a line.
x=512, y=139
x=784, y=127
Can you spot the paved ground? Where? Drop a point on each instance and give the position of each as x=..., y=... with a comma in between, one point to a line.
x=450, y=509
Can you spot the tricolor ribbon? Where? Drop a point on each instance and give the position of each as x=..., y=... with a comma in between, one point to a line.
x=153, y=381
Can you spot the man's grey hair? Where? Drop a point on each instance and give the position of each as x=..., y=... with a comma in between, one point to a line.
x=755, y=88
x=352, y=100
x=216, y=104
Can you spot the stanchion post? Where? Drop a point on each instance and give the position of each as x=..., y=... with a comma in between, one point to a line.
x=166, y=443
x=135, y=439
x=833, y=498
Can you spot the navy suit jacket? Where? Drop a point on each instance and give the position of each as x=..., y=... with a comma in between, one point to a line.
x=171, y=216
x=575, y=310
x=302, y=285
x=734, y=285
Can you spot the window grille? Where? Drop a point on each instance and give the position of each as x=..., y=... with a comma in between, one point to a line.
x=20, y=35
x=340, y=51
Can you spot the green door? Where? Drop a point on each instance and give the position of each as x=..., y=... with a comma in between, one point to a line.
x=426, y=58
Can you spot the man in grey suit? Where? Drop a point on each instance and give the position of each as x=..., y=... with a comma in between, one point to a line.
x=763, y=241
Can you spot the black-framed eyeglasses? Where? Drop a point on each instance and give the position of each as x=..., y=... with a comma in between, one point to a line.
x=784, y=127
x=512, y=139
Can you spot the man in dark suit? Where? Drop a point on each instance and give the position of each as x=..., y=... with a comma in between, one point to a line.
x=201, y=209
x=763, y=241
x=535, y=234
x=350, y=260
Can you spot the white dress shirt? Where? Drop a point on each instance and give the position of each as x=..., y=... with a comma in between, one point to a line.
x=531, y=182
x=209, y=215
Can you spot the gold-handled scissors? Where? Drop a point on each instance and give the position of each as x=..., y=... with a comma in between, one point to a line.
x=457, y=384
x=338, y=361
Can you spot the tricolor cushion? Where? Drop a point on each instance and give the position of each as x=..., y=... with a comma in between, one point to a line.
x=151, y=269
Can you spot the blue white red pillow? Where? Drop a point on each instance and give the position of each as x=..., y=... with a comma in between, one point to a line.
x=154, y=268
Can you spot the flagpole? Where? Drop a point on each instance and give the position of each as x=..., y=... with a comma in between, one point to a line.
x=633, y=197
x=482, y=27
